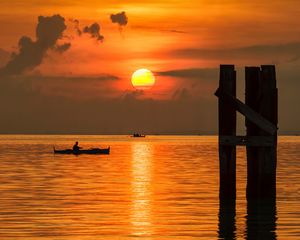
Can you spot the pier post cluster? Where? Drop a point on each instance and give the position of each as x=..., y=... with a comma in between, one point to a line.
x=261, y=117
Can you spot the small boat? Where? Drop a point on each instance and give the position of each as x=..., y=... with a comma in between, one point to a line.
x=83, y=151
x=138, y=135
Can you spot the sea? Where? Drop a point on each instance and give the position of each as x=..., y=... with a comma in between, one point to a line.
x=157, y=187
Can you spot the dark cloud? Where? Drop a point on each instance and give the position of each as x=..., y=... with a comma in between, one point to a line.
x=94, y=31
x=31, y=53
x=4, y=57
x=120, y=18
x=71, y=79
x=176, y=31
x=48, y=114
x=181, y=94
x=266, y=53
x=199, y=73
x=192, y=82
x=63, y=47
x=80, y=87
x=132, y=95
x=77, y=28
x=70, y=88
x=155, y=28
x=30, y=110
x=49, y=30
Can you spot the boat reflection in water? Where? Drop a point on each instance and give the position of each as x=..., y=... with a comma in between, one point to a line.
x=141, y=189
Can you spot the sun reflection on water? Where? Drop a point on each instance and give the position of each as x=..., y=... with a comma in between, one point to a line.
x=141, y=189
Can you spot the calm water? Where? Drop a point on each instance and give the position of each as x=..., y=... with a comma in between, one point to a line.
x=160, y=187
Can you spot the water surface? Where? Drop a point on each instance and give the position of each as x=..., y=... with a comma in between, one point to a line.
x=158, y=187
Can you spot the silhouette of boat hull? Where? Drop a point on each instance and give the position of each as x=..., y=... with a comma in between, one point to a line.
x=136, y=135
x=84, y=151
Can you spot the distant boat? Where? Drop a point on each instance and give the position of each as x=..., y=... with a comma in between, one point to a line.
x=138, y=135
x=83, y=151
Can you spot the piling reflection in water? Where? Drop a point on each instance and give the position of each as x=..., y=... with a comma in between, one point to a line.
x=261, y=219
x=227, y=224
x=141, y=189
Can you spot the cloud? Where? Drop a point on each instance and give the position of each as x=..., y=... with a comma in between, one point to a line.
x=31, y=53
x=192, y=73
x=270, y=53
x=120, y=18
x=71, y=79
x=77, y=28
x=56, y=114
x=192, y=82
x=99, y=86
x=132, y=95
x=49, y=30
x=4, y=57
x=62, y=48
x=94, y=31
x=53, y=108
x=181, y=94
x=177, y=31
x=23, y=97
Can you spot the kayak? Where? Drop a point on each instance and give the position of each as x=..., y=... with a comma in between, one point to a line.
x=136, y=135
x=84, y=151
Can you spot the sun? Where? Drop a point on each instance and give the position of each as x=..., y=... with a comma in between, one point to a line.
x=143, y=79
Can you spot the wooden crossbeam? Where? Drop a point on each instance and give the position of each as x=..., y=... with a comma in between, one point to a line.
x=251, y=141
x=248, y=112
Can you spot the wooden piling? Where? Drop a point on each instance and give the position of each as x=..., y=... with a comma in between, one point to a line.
x=261, y=112
x=227, y=127
x=261, y=96
x=252, y=99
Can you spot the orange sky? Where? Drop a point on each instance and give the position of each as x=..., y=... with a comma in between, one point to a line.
x=164, y=36
x=154, y=29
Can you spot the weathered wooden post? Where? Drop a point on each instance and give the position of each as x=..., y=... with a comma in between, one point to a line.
x=261, y=96
x=227, y=127
x=252, y=99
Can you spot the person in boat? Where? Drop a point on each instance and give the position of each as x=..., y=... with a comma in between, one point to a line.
x=76, y=147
